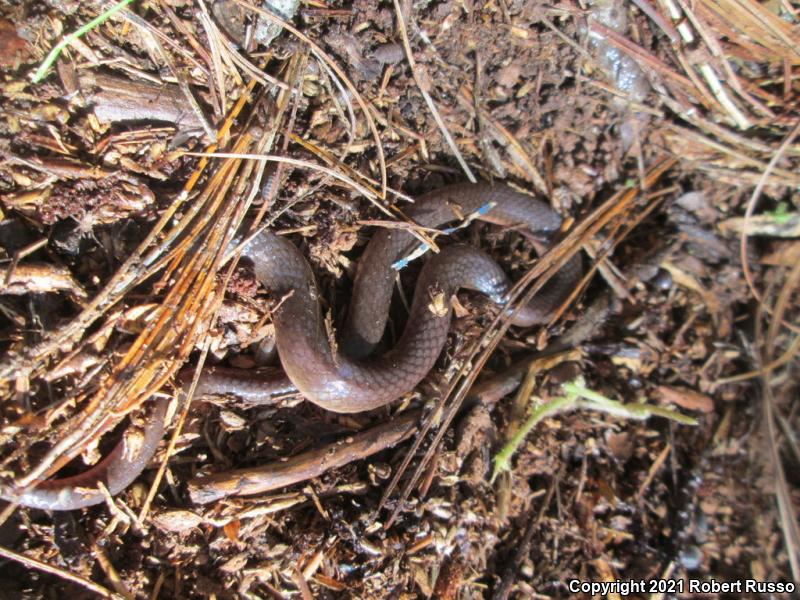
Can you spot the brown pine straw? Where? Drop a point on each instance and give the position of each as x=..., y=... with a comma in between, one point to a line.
x=325, y=57
x=619, y=206
x=423, y=84
x=161, y=348
x=751, y=207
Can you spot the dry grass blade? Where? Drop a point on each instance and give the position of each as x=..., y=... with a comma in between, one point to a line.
x=423, y=84
x=783, y=495
x=32, y=360
x=366, y=192
x=783, y=305
x=342, y=95
x=782, y=490
x=324, y=57
x=528, y=94
x=722, y=101
x=751, y=207
x=709, y=72
x=731, y=33
x=214, y=38
x=352, y=173
x=738, y=164
x=757, y=23
x=249, y=186
x=145, y=25
x=38, y=565
x=74, y=38
x=160, y=350
x=158, y=49
x=791, y=353
x=418, y=232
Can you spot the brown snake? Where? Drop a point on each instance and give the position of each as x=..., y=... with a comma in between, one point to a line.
x=349, y=379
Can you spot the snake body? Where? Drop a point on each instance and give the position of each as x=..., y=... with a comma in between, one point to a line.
x=351, y=377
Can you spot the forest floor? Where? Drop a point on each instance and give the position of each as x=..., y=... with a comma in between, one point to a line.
x=669, y=135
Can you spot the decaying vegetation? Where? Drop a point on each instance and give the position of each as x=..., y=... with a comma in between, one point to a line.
x=138, y=139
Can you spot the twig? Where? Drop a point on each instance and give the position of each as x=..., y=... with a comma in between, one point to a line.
x=32, y=563
x=751, y=207
x=423, y=83
x=304, y=466
x=296, y=162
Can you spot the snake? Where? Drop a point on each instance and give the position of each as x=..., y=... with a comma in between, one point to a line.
x=349, y=375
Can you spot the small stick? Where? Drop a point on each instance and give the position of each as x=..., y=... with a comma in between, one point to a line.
x=32, y=563
x=307, y=465
x=423, y=83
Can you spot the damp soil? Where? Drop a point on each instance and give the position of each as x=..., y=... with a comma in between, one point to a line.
x=591, y=497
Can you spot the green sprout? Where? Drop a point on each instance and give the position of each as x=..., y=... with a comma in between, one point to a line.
x=781, y=214
x=578, y=396
x=53, y=55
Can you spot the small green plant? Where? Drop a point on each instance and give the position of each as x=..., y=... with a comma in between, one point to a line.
x=578, y=396
x=781, y=214
x=53, y=55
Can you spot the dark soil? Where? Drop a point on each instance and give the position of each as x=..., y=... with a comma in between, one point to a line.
x=591, y=497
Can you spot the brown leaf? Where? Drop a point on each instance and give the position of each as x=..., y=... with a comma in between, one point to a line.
x=10, y=43
x=235, y=564
x=232, y=530
x=177, y=521
x=686, y=398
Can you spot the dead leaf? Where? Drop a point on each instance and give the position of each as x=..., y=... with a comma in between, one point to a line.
x=177, y=521
x=10, y=44
x=685, y=398
x=232, y=530
x=237, y=563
